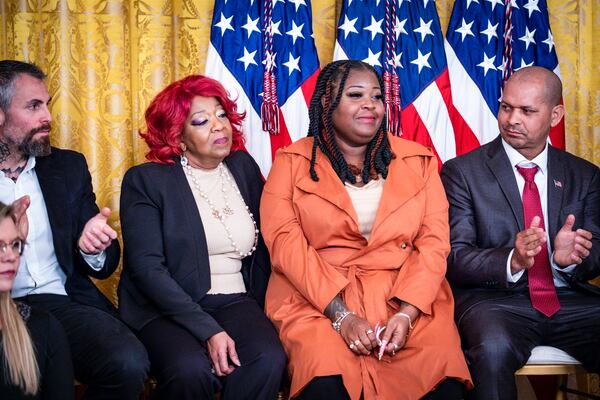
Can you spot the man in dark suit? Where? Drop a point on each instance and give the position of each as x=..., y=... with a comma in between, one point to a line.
x=69, y=239
x=524, y=244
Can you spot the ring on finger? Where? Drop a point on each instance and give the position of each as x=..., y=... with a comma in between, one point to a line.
x=352, y=346
x=369, y=331
x=357, y=342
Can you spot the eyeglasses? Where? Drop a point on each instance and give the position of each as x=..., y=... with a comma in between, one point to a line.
x=16, y=246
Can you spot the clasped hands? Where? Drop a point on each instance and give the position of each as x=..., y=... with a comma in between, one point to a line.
x=570, y=247
x=362, y=338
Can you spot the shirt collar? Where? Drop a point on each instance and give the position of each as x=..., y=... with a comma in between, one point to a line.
x=516, y=158
x=30, y=164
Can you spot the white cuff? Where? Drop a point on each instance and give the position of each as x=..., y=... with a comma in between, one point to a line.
x=510, y=277
x=569, y=269
x=95, y=261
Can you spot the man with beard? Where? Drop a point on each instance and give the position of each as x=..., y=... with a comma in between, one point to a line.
x=69, y=239
x=525, y=236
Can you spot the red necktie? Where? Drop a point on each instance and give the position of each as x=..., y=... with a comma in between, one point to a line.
x=541, y=283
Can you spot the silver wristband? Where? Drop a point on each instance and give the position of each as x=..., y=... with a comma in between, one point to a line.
x=337, y=324
x=405, y=315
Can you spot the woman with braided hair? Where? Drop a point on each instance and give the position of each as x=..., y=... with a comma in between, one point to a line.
x=356, y=222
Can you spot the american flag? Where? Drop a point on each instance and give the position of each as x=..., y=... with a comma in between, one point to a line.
x=272, y=72
x=486, y=41
x=403, y=40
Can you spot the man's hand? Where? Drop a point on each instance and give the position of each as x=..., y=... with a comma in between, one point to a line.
x=571, y=247
x=527, y=245
x=97, y=234
x=221, y=349
x=19, y=212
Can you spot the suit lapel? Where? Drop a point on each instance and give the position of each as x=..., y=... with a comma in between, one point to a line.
x=555, y=190
x=55, y=193
x=329, y=187
x=499, y=165
x=236, y=171
x=236, y=168
x=190, y=207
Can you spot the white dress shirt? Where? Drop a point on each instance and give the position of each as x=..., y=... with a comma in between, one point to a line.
x=39, y=271
x=541, y=180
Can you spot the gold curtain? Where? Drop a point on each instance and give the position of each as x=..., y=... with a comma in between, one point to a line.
x=106, y=59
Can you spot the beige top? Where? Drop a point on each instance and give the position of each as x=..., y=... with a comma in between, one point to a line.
x=365, y=200
x=225, y=262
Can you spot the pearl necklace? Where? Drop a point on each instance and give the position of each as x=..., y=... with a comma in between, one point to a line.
x=227, y=210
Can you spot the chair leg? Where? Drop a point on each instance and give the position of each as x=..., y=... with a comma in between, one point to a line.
x=562, y=382
x=582, y=384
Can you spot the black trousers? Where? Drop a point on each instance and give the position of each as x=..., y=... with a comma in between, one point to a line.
x=332, y=388
x=106, y=354
x=182, y=367
x=498, y=336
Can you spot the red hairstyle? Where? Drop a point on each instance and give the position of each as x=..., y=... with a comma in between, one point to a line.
x=168, y=111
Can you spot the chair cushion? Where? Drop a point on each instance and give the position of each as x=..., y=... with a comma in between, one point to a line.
x=550, y=355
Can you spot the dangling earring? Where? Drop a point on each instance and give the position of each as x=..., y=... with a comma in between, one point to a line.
x=182, y=158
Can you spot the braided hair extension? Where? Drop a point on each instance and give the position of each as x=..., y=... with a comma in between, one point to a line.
x=322, y=105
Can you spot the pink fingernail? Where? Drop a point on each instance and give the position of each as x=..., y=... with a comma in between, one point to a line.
x=378, y=331
x=382, y=348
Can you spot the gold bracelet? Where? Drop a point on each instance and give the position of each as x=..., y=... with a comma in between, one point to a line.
x=405, y=315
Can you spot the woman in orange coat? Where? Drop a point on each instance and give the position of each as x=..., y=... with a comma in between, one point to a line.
x=356, y=222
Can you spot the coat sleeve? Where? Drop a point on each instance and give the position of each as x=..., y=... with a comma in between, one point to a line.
x=291, y=254
x=590, y=267
x=423, y=272
x=257, y=267
x=469, y=265
x=145, y=260
x=87, y=210
x=260, y=265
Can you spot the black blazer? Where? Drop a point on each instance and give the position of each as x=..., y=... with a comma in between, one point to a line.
x=166, y=270
x=70, y=202
x=486, y=213
x=52, y=356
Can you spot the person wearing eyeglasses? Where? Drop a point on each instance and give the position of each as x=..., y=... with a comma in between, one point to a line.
x=35, y=362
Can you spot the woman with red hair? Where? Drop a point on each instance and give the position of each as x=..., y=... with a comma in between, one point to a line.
x=195, y=265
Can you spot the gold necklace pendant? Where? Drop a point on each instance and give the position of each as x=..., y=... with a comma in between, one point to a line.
x=228, y=211
x=220, y=215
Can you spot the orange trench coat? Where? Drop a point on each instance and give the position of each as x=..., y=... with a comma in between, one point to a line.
x=316, y=249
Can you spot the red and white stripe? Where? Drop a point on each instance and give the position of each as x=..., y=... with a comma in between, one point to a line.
x=432, y=119
x=293, y=116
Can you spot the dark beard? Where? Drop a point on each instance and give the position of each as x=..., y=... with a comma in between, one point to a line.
x=36, y=148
